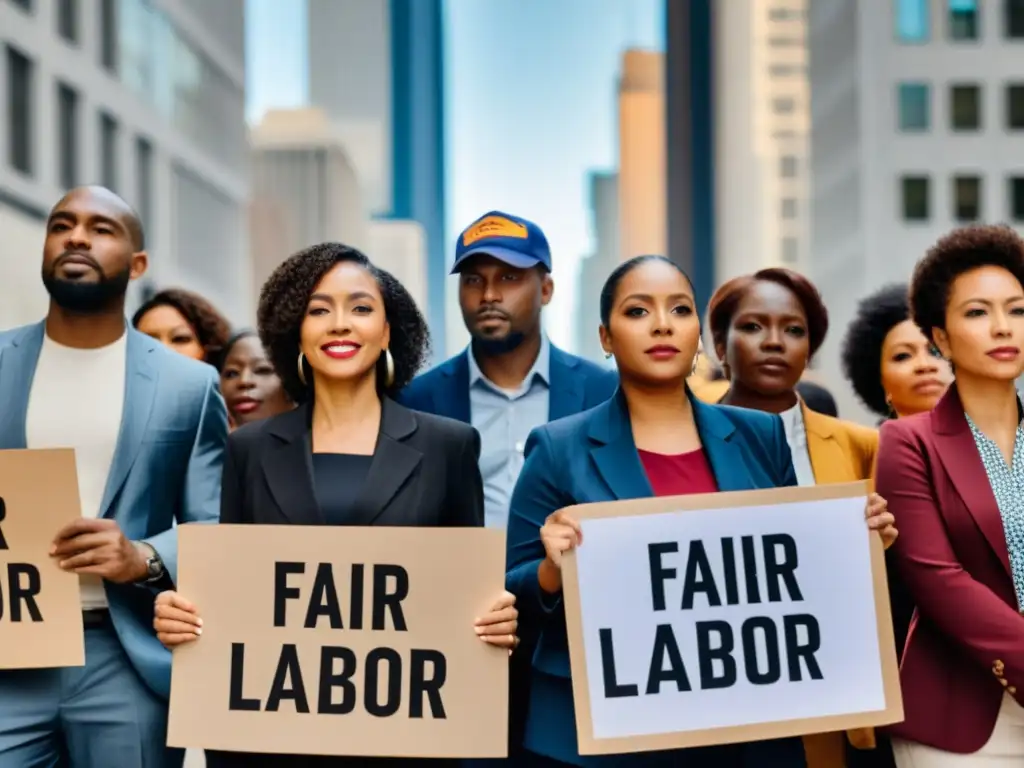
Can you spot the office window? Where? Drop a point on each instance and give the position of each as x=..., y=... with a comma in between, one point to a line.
x=965, y=107
x=784, y=105
x=1016, y=190
x=916, y=194
x=108, y=151
x=913, y=21
x=144, y=182
x=963, y=19
x=1013, y=18
x=788, y=208
x=786, y=42
x=67, y=20
x=67, y=136
x=108, y=34
x=785, y=14
x=789, y=250
x=24, y=4
x=787, y=166
x=20, y=103
x=1015, y=106
x=914, y=106
x=786, y=70
x=966, y=198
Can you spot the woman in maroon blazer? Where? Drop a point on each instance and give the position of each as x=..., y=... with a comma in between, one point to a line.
x=954, y=478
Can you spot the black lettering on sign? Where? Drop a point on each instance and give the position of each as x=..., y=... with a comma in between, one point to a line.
x=659, y=573
x=699, y=577
x=3, y=516
x=330, y=679
x=666, y=649
x=719, y=650
x=750, y=570
x=381, y=687
x=764, y=626
x=236, y=699
x=391, y=661
x=324, y=600
x=732, y=590
x=23, y=585
x=797, y=649
x=288, y=684
x=777, y=570
x=612, y=688
x=389, y=600
x=282, y=592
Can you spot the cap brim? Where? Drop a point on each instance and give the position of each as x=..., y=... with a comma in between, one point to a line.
x=506, y=255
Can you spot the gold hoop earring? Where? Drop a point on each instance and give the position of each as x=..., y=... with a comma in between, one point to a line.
x=389, y=365
x=607, y=355
x=302, y=372
x=696, y=362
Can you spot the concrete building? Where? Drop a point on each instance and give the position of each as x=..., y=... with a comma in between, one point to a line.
x=761, y=124
x=376, y=69
x=642, y=204
x=304, y=189
x=596, y=266
x=146, y=98
x=917, y=127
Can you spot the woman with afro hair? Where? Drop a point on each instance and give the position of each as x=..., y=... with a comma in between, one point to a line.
x=185, y=322
x=345, y=337
x=893, y=368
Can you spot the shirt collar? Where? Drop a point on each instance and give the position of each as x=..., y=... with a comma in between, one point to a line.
x=541, y=367
x=793, y=421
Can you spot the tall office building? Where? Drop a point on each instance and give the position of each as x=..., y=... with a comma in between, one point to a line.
x=641, y=183
x=304, y=189
x=376, y=69
x=761, y=105
x=917, y=127
x=145, y=98
x=596, y=266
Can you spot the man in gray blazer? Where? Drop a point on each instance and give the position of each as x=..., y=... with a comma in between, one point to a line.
x=149, y=428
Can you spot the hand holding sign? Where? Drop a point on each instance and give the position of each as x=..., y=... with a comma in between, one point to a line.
x=100, y=548
x=175, y=619
x=559, y=534
x=881, y=519
x=498, y=626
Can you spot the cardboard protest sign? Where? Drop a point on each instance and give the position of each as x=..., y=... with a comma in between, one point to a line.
x=340, y=641
x=728, y=617
x=40, y=606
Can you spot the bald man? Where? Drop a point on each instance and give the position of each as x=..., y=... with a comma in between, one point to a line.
x=149, y=428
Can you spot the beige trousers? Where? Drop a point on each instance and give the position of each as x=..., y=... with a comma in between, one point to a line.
x=1004, y=748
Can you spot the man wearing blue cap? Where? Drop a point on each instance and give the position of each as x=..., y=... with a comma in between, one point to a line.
x=511, y=379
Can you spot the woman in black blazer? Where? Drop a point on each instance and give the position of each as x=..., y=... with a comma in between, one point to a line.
x=344, y=336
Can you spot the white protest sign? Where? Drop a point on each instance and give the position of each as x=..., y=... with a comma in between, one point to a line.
x=728, y=617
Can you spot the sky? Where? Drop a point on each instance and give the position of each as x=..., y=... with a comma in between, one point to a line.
x=531, y=108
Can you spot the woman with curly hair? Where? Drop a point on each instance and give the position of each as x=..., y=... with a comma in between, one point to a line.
x=185, y=322
x=954, y=478
x=893, y=368
x=345, y=336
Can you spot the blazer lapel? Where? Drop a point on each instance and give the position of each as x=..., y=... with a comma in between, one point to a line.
x=724, y=455
x=453, y=400
x=139, y=395
x=566, y=395
x=17, y=369
x=614, y=452
x=289, y=468
x=829, y=461
x=959, y=455
x=393, y=462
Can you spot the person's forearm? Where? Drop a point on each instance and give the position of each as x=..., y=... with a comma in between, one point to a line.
x=549, y=577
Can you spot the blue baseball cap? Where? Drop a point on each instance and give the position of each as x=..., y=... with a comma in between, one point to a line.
x=515, y=241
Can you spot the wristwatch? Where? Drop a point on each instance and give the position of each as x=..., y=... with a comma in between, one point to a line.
x=154, y=565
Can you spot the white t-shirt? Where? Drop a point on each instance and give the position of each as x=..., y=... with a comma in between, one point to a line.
x=76, y=401
x=796, y=436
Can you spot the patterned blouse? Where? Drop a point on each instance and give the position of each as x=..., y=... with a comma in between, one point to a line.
x=1008, y=487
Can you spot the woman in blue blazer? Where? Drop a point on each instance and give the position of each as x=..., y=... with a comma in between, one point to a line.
x=652, y=438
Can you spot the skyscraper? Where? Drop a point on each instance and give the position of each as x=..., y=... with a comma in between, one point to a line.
x=376, y=69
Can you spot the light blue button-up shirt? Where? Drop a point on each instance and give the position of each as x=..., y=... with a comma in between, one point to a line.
x=504, y=419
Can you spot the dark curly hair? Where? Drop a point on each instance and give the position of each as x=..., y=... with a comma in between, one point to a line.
x=727, y=298
x=210, y=326
x=954, y=254
x=282, y=308
x=861, y=355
